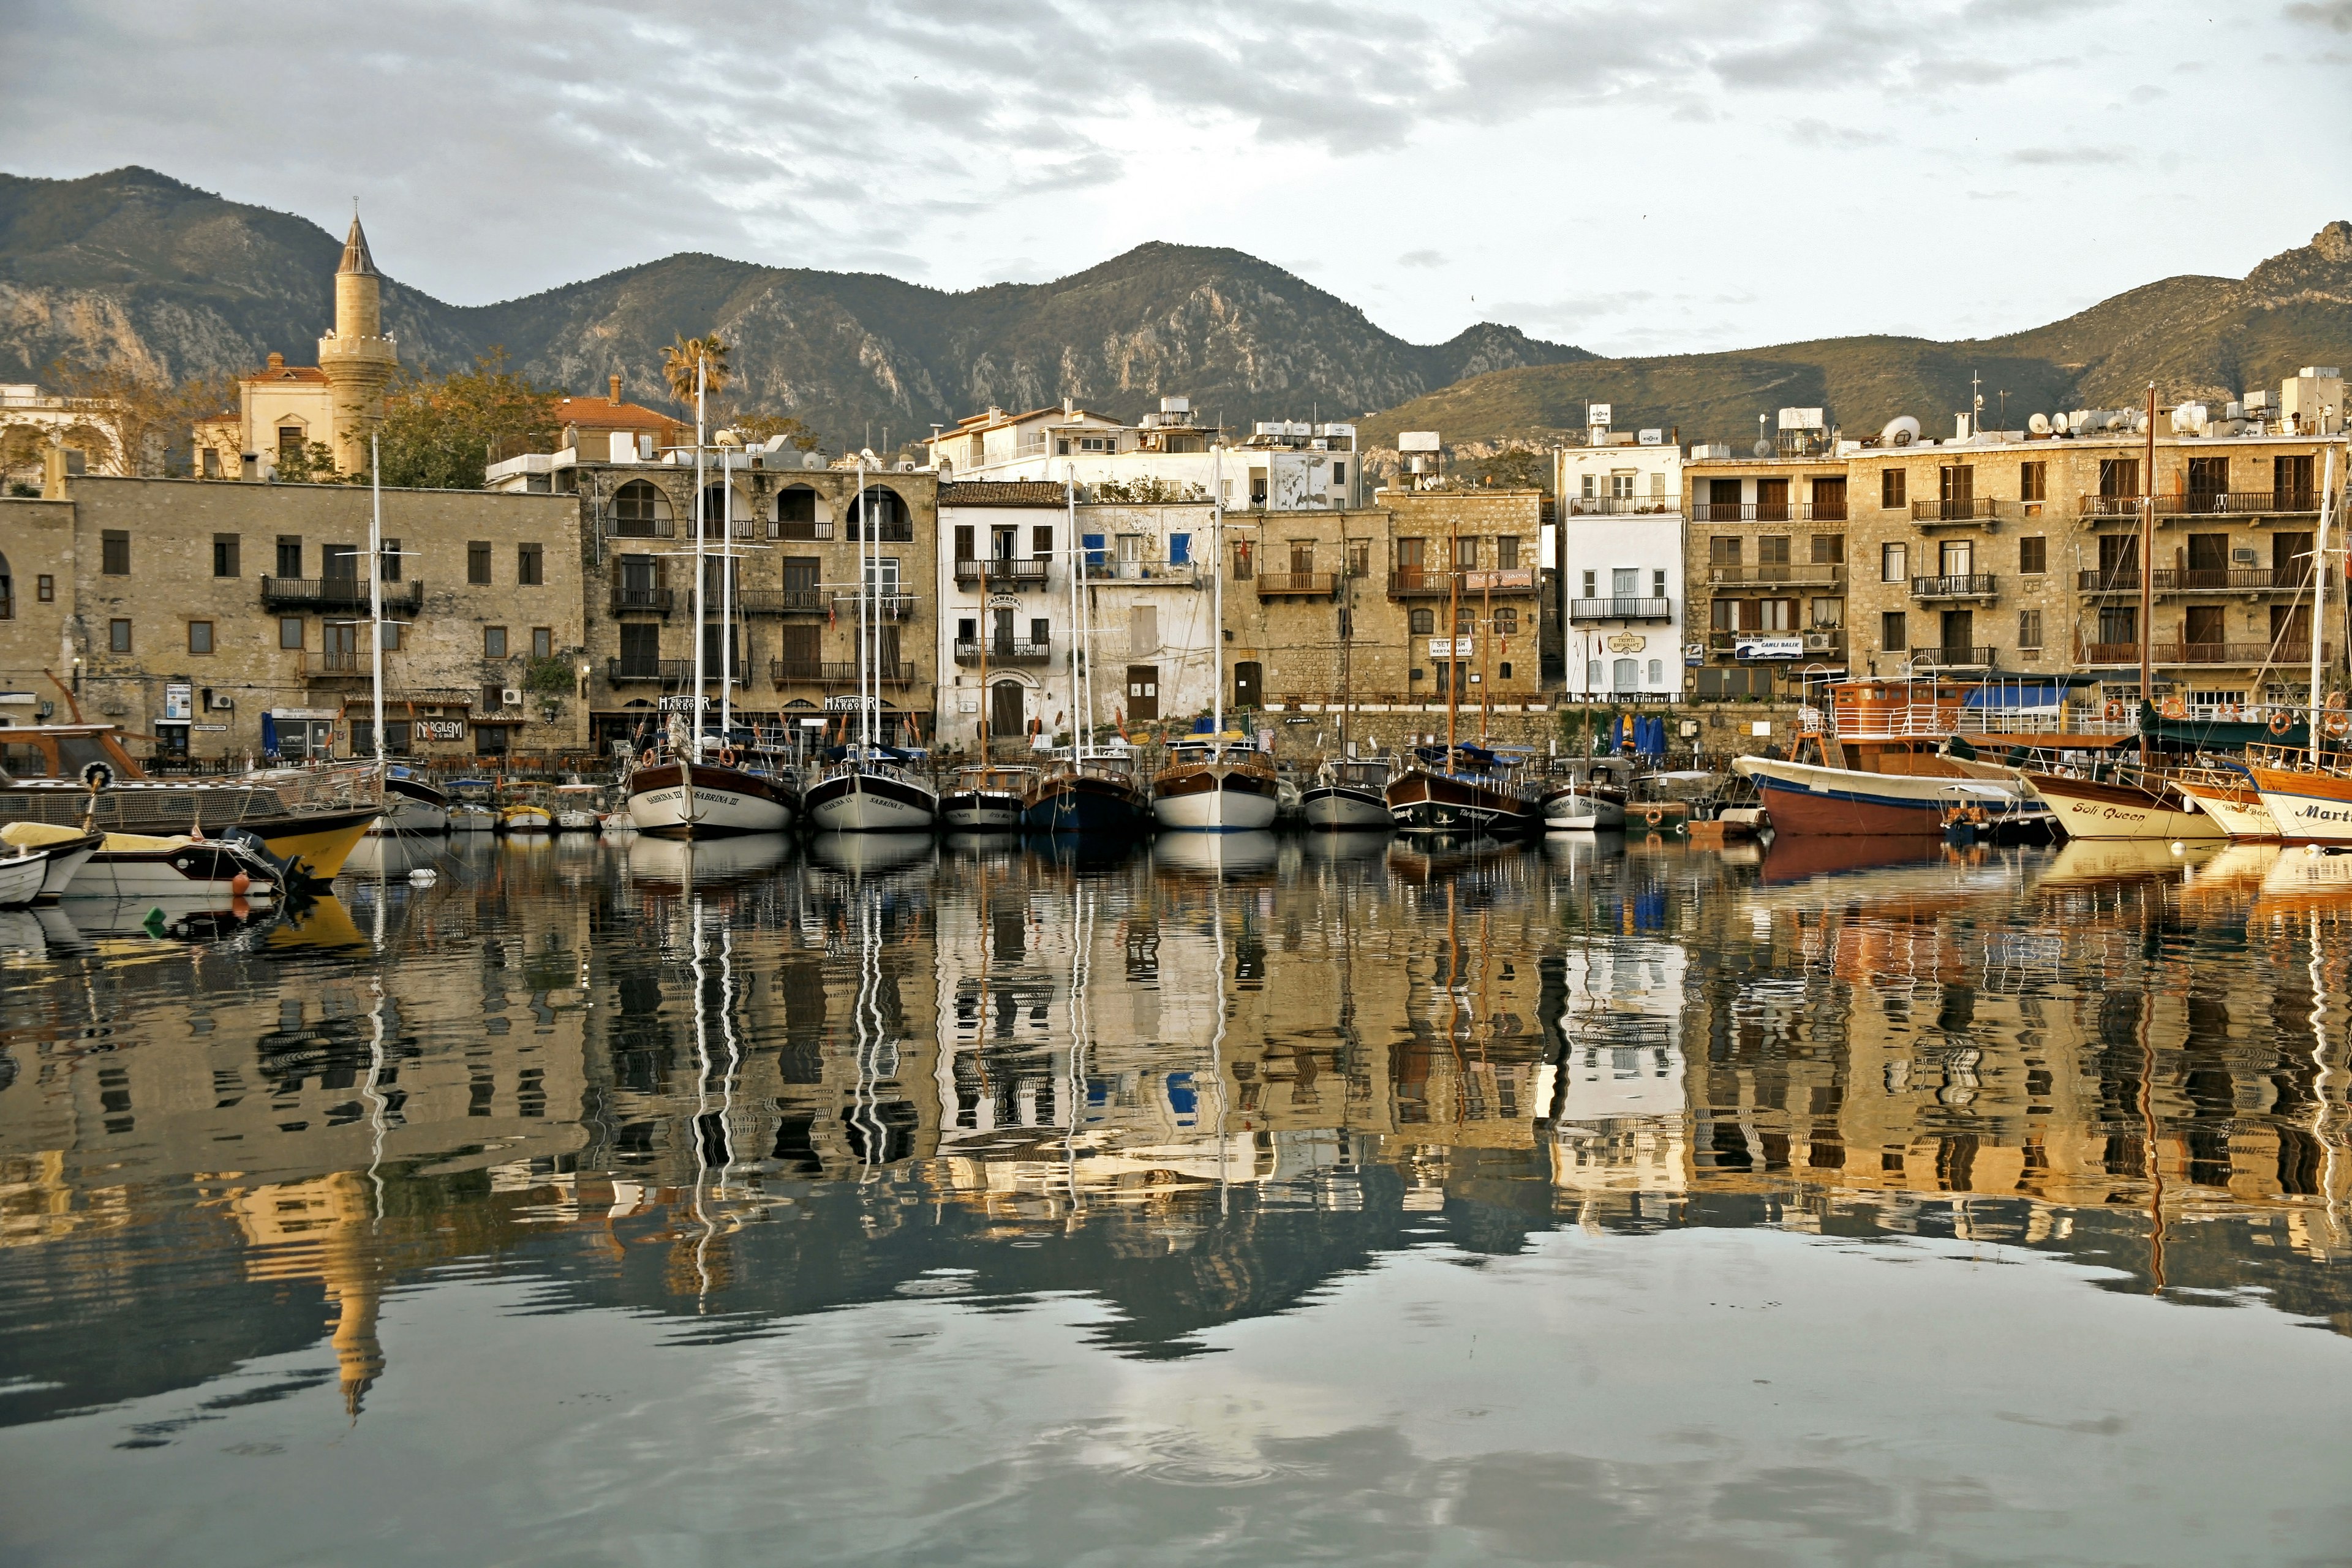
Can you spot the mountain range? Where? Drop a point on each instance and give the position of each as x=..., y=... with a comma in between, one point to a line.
x=132, y=269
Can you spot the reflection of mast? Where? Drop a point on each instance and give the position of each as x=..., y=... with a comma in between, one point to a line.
x=2148, y=1121
x=2319, y=1083
x=701, y=1098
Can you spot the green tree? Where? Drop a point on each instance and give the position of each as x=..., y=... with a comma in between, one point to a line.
x=441, y=433
x=759, y=428
x=313, y=464
x=681, y=360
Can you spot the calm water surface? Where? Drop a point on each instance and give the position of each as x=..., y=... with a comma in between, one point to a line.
x=1242, y=1201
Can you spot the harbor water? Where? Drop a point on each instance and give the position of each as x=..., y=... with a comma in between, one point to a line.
x=1222, y=1199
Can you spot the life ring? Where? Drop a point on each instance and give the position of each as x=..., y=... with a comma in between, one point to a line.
x=97, y=776
x=2337, y=722
x=648, y=759
x=2281, y=722
x=2114, y=712
x=1652, y=814
x=725, y=756
x=2174, y=708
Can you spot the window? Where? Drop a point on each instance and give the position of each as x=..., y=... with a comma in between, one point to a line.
x=1772, y=550
x=542, y=642
x=1465, y=555
x=1725, y=549
x=212, y=467
x=1829, y=613
x=44, y=588
x=114, y=546
x=1179, y=550
x=1890, y=489
x=1465, y=620
x=1424, y=623
x=199, y=636
x=1592, y=584
x=2034, y=555
x=2029, y=629
x=289, y=631
x=1506, y=622
x=531, y=565
x=1503, y=670
x=117, y=637
x=289, y=443
x=1041, y=630
x=1658, y=584
x=2119, y=478
x=2208, y=477
x=478, y=560
x=290, y=555
x=2291, y=483
x=2033, y=481
x=964, y=543
x=1893, y=631
x=224, y=555
x=1620, y=484
x=341, y=562
x=1338, y=475
x=1624, y=583
x=1242, y=560
x=1829, y=549
x=803, y=574
x=494, y=642
x=1360, y=559
x=1592, y=666
x=387, y=567
x=1894, y=563
x=967, y=629
x=1507, y=552
x=389, y=635
x=1657, y=671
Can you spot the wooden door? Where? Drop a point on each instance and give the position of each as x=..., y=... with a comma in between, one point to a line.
x=1005, y=709
x=1249, y=683
x=1142, y=692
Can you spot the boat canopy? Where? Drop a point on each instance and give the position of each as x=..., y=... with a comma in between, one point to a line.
x=2014, y=695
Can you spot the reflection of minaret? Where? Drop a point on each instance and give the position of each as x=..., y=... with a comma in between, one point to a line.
x=357, y=357
x=323, y=1229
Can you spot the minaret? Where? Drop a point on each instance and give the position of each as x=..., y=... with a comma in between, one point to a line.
x=357, y=357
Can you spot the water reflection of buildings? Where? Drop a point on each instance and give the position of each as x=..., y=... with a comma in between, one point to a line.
x=1621, y=1121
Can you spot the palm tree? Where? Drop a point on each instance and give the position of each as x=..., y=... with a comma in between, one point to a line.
x=679, y=360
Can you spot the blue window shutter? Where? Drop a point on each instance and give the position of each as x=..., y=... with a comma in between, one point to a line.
x=1179, y=550
x=1094, y=548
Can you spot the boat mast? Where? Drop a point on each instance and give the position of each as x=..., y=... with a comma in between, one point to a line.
x=694, y=751
x=2319, y=598
x=1217, y=583
x=726, y=594
x=1486, y=656
x=864, y=627
x=375, y=594
x=2148, y=585
x=1077, y=643
x=1452, y=631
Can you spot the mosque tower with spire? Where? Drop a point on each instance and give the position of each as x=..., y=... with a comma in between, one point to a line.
x=357, y=357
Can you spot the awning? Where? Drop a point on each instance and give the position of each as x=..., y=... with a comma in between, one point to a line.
x=2019, y=694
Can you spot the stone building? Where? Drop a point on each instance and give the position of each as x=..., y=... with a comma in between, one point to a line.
x=189, y=611
x=801, y=552
x=1765, y=560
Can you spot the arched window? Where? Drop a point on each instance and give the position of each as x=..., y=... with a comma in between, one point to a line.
x=1424, y=623
x=640, y=511
x=714, y=506
x=892, y=522
x=799, y=515
x=7, y=591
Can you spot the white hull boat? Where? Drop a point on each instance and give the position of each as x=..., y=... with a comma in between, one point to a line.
x=1578, y=812
x=473, y=819
x=866, y=799
x=135, y=866
x=722, y=801
x=1337, y=806
x=69, y=849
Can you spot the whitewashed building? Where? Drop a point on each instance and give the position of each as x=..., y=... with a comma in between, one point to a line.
x=1618, y=544
x=1167, y=456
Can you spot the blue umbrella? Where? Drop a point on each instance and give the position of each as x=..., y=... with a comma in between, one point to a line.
x=268, y=735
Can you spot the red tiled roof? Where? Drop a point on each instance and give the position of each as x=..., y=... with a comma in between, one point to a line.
x=1003, y=493
x=295, y=373
x=603, y=414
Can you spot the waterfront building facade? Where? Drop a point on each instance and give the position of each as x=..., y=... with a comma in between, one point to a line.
x=1618, y=547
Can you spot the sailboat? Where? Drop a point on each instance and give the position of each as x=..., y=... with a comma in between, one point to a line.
x=2310, y=802
x=1348, y=790
x=1090, y=792
x=1214, y=781
x=679, y=789
x=871, y=789
x=1463, y=788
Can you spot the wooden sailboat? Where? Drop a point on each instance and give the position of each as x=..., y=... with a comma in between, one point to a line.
x=871, y=789
x=681, y=790
x=1464, y=789
x=1215, y=781
x=2310, y=801
x=1347, y=790
x=1090, y=792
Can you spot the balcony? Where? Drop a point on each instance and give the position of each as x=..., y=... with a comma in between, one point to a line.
x=1413, y=582
x=641, y=601
x=348, y=595
x=849, y=606
x=338, y=664
x=1273, y=584
x=1623, y=506
x=1978, y=658
x=649, y=671
x=999, y=651
x=833, y=674
x=1768, y=511
x=2206, y=653
x=1621, y=609
x=783, y=601
x=2207, y=503
x=801, y=530
x=1963, y=585
x=639, y=527
x=1811, y=575
x=2201, y=580
x=1101, y=568
x=998, y=572
x=1958, y=508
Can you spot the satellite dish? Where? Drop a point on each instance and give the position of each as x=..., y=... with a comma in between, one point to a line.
x=1900, y=431
x=811, y=459
x=2040, y=424
x=1762, y=448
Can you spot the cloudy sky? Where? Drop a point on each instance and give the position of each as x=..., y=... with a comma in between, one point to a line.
x=1634, y=177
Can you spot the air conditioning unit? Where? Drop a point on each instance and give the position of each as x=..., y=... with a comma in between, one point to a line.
x=1820, y=642
x=224, y=704
x=2243, y=557
x=433, y=712
x=510, y=697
